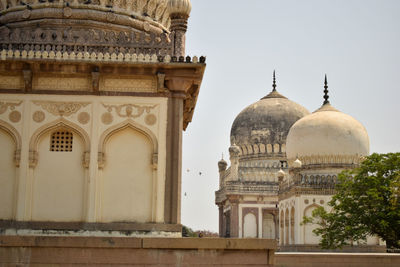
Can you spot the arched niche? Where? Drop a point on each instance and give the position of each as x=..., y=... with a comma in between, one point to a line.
x=309, y=237
x=10, y=146
x=250, y=226
x=58, y=174
x=127, y=159
x=268, y=227
x=105, y=136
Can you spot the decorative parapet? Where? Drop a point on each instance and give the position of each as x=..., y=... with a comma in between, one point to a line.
x=95, y=57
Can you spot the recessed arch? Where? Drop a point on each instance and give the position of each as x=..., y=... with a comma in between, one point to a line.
x=60, y=123
x=8, y=128
x=10, y=147
x=123, y=125
x=309, y=237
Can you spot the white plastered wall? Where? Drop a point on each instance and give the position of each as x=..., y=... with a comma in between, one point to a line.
x=87, y=112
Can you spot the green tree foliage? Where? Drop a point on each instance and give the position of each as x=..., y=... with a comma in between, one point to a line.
x=367, y=202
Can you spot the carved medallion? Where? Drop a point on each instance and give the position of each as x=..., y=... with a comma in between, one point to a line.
x=26, y=13
x=15, y=116
x=306, y=201
x=107, y=118
x=321, y=202
x=67, y=12
x=83, y=117
x=150, y=119
x=111, y=17
x=38, y=116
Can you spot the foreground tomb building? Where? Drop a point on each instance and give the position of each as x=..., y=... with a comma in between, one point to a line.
x=284, y=164
x=94, y=96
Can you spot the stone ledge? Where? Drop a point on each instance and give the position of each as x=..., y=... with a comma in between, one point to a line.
x=4, y=224
x=145, y=243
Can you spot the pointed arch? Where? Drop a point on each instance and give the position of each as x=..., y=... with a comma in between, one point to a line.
x=52, y=126
x=130, y=173
x=122, y=126
x=60, y=123
x=10, y=130
x=309, y=237
x=10, y=147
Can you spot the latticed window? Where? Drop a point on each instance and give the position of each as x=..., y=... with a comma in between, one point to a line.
x=61, y=141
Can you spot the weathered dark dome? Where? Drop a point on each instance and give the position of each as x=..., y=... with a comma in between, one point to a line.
x=267, y=121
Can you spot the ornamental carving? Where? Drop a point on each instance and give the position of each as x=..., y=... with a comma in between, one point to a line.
x=129, y=110
x=82, y=40
x=38, y=116
x=107, y=118
x=4, y=105
x=83, y=117
x=150, y=119
x=15, y=116
x=61, y=108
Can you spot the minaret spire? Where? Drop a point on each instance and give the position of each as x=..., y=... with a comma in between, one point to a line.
x=274, y=83
x=326, y=96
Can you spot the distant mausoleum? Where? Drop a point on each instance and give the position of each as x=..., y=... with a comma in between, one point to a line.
x=284, y=164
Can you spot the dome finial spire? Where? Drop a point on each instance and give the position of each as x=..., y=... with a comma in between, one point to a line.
x=274, y=83
x=326, y=96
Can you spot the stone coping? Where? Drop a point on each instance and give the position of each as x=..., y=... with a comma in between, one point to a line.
x=143, y=243
x=336, y=254
x=6, y=224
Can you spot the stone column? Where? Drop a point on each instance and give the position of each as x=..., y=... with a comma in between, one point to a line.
x=178, y=29
x=234, y=231
x=172, y=207
x=221, y=220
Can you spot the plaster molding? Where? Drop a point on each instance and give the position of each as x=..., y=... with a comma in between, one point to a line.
x=127, y=110
x=61, y=108
x=5, y=105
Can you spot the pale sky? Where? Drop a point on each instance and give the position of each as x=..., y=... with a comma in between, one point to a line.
x=355, y=42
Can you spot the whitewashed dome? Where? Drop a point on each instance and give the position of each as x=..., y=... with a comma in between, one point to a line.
x=327, y=136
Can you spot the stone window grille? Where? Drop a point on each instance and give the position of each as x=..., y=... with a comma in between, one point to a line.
x=61, y=141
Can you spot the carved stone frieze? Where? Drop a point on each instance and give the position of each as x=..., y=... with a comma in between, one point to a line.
x=74, y=39
x=4, y=105
x=128, y=85
x=129, y=110
x=61, y=108
x=11, y=82
x=61, y=83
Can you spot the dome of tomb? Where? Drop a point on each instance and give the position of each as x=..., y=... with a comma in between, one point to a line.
x=327, y=136
x=112, y=26
x=266, y=123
